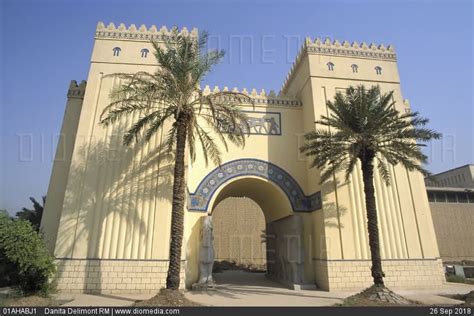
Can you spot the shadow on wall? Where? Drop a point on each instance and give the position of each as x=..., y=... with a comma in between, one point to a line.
x=332, y=211
x=192, y=254
x=111, y=210
x=331, y=214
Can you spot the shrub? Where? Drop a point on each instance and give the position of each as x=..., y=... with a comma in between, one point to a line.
x=455, y=278
x=24, y=257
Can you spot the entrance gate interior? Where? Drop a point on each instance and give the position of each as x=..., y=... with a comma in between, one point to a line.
x=284, y=231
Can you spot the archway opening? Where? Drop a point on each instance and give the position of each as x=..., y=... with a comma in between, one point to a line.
x=239, y=236
x=256, y=230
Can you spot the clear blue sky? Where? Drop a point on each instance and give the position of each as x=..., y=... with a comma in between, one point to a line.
x=45, y=44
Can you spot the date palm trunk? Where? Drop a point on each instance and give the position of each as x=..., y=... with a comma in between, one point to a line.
x=177, y=209
x=372, y=222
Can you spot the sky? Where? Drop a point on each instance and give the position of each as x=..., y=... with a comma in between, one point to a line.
x=45, y=44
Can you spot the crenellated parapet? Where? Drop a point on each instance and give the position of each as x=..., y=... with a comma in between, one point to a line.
x=76, y=91
x=261, y=98
x=142, y=33
x=343, y=49
x=354, y=49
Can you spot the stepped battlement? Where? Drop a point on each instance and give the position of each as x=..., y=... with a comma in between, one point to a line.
x=353, y=49
x=142, y=33
x=76, y=90
x=343, y=49
x=261, y=97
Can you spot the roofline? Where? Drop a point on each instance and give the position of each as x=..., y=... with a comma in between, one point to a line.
x=437, y=174
x=449, y=189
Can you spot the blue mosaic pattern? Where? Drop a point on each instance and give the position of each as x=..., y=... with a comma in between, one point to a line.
x=199, y=200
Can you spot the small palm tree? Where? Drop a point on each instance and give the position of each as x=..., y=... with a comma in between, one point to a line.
x=34, y=215
x=172, y=94
x=364, y=125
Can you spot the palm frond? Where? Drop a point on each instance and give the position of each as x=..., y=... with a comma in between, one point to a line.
x=365, y=120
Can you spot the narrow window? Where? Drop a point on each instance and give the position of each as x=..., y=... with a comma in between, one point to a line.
x=144, y=52
x=330, y=66
x=116, y=51
x=462, y=197
x=431, y=197
x=470, y=195
x=451, y=197
x=378, y=70
x=440, y=197
x=354, y=67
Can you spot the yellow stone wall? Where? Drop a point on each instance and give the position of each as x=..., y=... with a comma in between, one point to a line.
x=62, y=163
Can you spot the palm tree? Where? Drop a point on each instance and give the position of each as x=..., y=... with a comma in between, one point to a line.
x=172, y=94
x=364, y=125
x=34, y=215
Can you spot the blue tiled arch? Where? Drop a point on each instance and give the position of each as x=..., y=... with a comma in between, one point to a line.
x=199, y=200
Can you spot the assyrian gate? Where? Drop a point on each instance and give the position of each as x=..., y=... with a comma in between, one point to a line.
x=107, y=215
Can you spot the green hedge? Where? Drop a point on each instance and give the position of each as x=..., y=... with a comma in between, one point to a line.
x=24, y=259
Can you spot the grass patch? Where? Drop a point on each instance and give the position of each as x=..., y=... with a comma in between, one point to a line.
x=13, y=297
x=33, y=300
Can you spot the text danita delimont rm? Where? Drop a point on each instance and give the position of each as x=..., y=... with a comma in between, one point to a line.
x=77, y=311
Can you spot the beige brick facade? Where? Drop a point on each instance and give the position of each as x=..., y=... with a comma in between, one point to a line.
x=344, y=275
x=239, y=230
x=455, y=245
x=112, y=276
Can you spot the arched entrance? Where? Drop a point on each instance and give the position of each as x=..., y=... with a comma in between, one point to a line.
x=284, y=230
x=239, y=235
x=253, y=168
x=281, y=200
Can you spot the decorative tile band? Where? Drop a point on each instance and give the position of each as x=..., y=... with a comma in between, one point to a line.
x=199, y=200
x=294, y=103
x=142, y=33
x=133, y=36
x=352, y=52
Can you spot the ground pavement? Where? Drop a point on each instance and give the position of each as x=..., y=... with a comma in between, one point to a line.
x=239, y=288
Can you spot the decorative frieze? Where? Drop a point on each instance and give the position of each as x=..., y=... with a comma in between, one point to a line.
x=260, y=98
x=199, y=200
x=139, y=34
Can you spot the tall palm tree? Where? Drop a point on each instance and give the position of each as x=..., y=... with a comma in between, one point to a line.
x=364, y=125
x=34, y=215
x=172, y=94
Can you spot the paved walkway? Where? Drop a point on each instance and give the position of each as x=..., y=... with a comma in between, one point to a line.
x=101, y=299
x=238, y=288
x=436, y=296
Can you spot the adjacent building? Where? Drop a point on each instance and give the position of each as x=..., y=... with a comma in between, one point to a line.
x=451, y=198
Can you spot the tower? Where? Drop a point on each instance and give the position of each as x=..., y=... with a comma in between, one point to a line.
x=340, y=248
